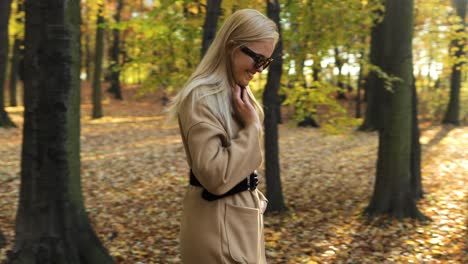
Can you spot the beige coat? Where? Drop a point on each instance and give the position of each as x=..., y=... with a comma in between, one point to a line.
x=228, y=230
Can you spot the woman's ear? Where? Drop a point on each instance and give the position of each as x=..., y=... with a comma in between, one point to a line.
x=230, y=45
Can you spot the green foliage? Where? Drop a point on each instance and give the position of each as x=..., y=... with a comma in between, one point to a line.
x=306, y=101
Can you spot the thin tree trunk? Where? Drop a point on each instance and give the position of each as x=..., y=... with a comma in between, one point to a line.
x=5, y=7
x=339, y=63
x=97, y=104
x=359, y=85
x=51, y=223
x=88, y=57
x=452, y=116
x=14, y=68
x=373, y=83
x=115, y=88
x=416, y=181
x=394, y=193
x=213, y=10
x=2, y=239
x=270, y=100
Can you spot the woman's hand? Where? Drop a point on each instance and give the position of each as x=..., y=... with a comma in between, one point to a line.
x=244, y=108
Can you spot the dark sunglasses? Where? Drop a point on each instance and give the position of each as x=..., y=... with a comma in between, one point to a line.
x=259, y=59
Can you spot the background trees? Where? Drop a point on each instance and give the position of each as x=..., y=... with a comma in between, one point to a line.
x=328, y=48
x=5, y=8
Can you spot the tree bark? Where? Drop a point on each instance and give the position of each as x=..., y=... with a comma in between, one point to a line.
x=416, y=181
x=270, y=100
x=373, y=84
x=97, y=104
x=339, y=63
x=14, y=67
x=213, y=10
x=309, y=121
x=5, y=8
x=359, y=85
x=51, y=223
x=452, y=116
x=394, y=192
x=2, y=239
x=115, y=88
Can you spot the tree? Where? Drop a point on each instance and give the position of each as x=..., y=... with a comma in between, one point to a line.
x=115, y=88
x=5, y=7
x=371, y=117
x=51, y=223
x=453, y=108
x=416, y=181
x=213, y=10
x=394, y=193
x=270, y=101
x=2, y=239
x=97, y=104
x=17, y=54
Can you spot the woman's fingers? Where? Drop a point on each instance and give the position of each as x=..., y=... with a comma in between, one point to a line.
x=237, y=95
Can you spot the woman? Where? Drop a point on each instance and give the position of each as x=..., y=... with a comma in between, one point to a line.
x=220, y=124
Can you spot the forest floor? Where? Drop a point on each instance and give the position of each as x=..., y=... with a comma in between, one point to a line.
x=134, y=175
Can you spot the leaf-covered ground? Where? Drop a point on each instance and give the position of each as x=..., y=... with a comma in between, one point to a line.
x=134, y=175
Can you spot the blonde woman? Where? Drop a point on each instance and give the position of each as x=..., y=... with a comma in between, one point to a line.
x=220, y=125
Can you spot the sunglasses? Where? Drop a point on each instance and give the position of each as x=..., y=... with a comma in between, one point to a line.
x=259, y=59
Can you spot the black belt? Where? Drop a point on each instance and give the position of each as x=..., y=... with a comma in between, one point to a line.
x=249, y=183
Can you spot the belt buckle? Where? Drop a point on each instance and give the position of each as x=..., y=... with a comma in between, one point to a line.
x=252, y=181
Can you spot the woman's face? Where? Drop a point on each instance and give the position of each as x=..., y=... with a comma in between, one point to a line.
x=243, y=65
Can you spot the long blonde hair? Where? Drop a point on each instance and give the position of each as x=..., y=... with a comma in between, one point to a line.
x=213, y=78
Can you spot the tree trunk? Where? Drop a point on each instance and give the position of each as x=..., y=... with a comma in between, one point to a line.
x=394, y=193
x=51, y=224
x=358, y=89
x=14, y=68
x=88, y=57
x=453, y=108
x=270, y=101
x=5, y=7
x=309, y=121
x=373, y=84
x=339, y=63
x=2, y=239
x=115, y=88
x=97, y=104
x=213, y=10
x=416, y=183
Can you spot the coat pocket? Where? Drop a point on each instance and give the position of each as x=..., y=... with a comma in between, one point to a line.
x=242, y=232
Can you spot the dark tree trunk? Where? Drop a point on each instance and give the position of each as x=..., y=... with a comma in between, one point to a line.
x=309, y=121
x=270, y=100
x=97, y=104
x=373, y=84
x=88, y=57
x=394, y=193
x=51, y=224
x=339, y=63
x=115, y=88
x=2, y=240
x=453, y=108
x=416, y=181
x=14, y=68
x=5, y=7
x=213, y=10
x=14, y=72
x=358, y=90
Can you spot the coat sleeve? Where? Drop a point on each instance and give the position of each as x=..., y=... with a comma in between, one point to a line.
x=219, y=168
